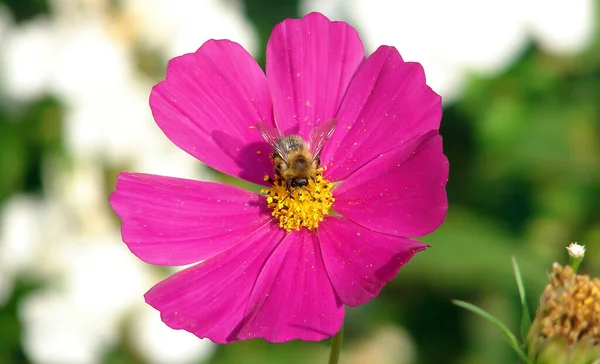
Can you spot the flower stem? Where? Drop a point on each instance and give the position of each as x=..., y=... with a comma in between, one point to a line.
x=574, y=263
x=336, y=346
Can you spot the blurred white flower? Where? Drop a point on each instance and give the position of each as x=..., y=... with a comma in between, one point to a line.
x=78, y=315
x=164, y=159
x=28, y=59
x=20, y=222
x=91, y=69
x=90, y=65
x=92, y=281
x=69, y=239
x=119, y=128
x=90, y=73
x=181, y=26
x=80, y=190
x=96, y=284
x=103, y=277
x=57, y=330
x=384, y=345
x=562, y=26
x=159, y=344
x=73, y=59
x=115, y=126
x=454, y=38
x=28, y=226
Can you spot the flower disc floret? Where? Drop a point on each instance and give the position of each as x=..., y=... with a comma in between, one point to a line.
x=300, y=206
x=566, y=328
x=570, y=306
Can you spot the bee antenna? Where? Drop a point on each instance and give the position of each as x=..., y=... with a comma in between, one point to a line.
x=288, y=195
x=292, y=191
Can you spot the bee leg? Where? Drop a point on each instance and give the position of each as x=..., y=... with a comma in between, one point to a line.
x=317, y=161
x=306, y=189
x=278, y=168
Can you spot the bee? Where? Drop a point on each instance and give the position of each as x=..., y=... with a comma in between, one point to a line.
x=296, y=160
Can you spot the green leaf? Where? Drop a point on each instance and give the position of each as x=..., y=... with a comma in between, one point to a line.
x=525, y=315
x=512, y=339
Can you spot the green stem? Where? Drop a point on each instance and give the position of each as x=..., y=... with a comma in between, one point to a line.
x=336, y=346
x=574, y=263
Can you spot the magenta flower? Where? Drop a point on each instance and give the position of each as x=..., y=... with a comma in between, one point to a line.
x=263, y=274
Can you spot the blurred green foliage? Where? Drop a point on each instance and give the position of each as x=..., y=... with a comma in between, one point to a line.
x=524, y=151
x=11, y=350
x=24, y=10
x=28, y=134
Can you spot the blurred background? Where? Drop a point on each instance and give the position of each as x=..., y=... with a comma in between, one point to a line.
x=521, y=126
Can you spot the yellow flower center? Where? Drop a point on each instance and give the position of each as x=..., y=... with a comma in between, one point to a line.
x=297, y=207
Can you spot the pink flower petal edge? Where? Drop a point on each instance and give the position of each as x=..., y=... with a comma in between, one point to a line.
x=402, y=192
x=386, y=104
x=310, y=62
x=293, y=297
x=210, y=298
x=173, y=221
x=209, y=105
x=360, y=261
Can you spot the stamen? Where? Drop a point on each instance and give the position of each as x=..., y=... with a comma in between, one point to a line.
x=300, y=206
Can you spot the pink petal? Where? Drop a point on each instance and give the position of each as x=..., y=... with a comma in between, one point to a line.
x=172, y=221
x=400, y=193
x=209, y=105
x=360, y=261
x=387, y=104
x=209, y=299
x=293, y=297
x=310, y=62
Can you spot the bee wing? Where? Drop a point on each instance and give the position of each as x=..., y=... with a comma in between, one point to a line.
x=273, y=136
x=319, y=135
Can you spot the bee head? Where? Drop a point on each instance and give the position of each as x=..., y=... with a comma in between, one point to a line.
x=299, y=182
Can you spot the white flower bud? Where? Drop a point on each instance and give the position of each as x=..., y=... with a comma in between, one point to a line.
x=576, y=251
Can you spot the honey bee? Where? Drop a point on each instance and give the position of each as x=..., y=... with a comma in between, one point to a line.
x=296, y=160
